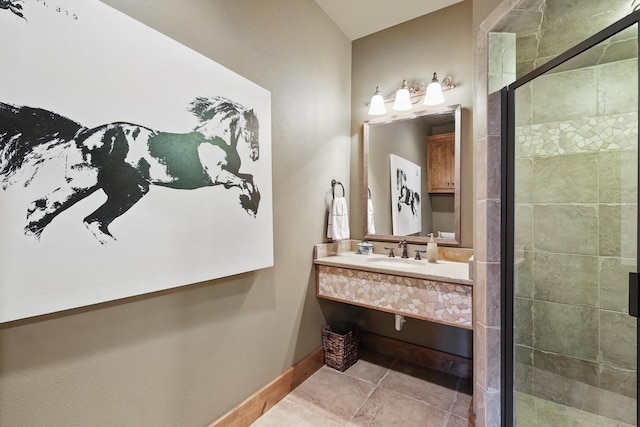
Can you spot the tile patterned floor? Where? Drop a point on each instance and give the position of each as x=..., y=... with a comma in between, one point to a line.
x=375, y=392
x=535, y=412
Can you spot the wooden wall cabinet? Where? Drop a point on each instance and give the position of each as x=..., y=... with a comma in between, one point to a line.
x=441, y=155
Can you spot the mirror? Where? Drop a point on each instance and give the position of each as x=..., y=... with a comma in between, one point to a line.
x=397, y=174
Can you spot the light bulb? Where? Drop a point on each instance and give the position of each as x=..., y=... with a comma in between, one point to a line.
x=433, y=95
x=376, y=107
x=403, y=99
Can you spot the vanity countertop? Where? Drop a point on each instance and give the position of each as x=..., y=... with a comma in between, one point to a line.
x=442, y=271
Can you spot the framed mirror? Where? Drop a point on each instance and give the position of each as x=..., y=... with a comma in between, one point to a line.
x=411, y=177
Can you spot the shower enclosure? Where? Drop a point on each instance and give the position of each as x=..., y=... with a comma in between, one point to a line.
x=570, y=236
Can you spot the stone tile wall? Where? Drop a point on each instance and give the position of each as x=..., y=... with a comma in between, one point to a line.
x=576, y=215
x=502, y=60
x=510, y=14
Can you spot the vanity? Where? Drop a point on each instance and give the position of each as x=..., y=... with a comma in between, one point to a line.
x=411, y=189
x=438, y=292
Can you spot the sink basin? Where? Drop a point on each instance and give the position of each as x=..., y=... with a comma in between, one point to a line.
x=397, y=262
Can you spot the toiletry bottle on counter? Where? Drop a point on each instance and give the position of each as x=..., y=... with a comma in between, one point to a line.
x=432, y=250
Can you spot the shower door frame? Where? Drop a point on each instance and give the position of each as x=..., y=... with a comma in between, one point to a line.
x=508, y=211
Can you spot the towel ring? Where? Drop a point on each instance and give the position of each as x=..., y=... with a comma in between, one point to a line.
x=333, y=188
x=369, y=190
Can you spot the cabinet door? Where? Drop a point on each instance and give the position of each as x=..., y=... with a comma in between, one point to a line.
x=441, y=163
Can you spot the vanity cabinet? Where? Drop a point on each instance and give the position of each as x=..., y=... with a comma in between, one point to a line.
x=440, y=293
x=437, y=301
x=441, y=163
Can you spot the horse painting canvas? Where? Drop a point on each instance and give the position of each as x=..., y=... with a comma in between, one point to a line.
x=108, y=187
x=124, y=159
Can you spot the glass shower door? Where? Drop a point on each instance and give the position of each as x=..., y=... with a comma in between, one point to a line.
x=572, y=222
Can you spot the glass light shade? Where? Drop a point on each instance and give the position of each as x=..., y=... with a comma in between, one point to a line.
x=376, y=107
x=403, y=99
x=433, y=95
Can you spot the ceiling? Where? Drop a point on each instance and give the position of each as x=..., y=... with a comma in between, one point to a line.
x=359, y=18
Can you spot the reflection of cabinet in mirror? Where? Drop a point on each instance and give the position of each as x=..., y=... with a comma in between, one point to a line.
x=441, y=154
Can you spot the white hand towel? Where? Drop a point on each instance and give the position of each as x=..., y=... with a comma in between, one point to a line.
x=371, y=227
x=338, y=224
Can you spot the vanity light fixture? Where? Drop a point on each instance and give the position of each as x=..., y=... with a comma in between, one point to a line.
x=377, y=103
x=404, y=97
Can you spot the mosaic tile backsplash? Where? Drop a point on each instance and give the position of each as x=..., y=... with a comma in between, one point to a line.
x=582, y=135
x=436, y=301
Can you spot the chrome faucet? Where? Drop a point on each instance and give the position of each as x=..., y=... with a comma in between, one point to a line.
x=403, y=245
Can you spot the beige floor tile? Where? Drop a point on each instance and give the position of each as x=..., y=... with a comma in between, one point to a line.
x=387, y=408
x=375, y=392
x=332, y=394
x=461, y=404
x=457, y=421
x=370, y=367
x=288, y=413
x=435, y=388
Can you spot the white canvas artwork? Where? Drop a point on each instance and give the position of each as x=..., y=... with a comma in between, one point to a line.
x=129, y=163
x=406, y=212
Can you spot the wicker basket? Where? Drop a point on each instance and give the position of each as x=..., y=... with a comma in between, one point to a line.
x=340, y=342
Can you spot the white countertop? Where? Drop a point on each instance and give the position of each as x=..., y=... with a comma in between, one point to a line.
x=442, y=271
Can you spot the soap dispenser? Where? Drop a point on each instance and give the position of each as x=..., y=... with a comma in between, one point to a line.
x=432, y=250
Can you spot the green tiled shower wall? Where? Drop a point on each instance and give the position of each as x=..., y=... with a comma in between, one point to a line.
x=576, y=210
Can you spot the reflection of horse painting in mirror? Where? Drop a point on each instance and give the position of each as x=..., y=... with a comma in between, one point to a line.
x=406, y=210
x=407, y=196
x=124, y=159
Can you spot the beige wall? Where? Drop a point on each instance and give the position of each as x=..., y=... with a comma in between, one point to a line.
x=184, y=357
x=438, y=42
x=414, y=51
